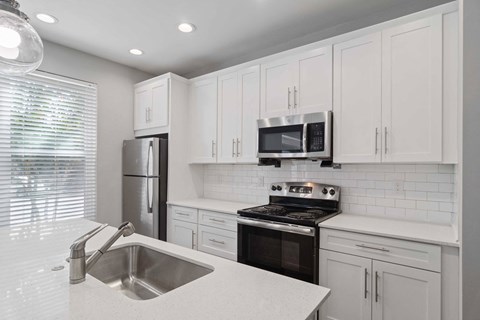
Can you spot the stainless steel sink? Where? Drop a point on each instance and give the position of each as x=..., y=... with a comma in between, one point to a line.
x=141, y=273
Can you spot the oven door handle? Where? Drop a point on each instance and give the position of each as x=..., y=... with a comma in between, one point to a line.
x=283, y=227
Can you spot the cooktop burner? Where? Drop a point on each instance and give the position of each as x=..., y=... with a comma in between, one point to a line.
x=297, y=203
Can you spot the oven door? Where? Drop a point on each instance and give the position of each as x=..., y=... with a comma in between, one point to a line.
x=279, y=248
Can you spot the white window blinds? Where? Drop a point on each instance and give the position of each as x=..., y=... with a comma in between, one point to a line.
x=48, y=130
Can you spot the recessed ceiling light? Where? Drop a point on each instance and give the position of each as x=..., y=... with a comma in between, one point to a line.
x=186, y=27
x=136, y=52
x=46, y=18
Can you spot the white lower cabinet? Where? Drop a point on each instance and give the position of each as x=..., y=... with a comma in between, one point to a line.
x=184, y=234
x=405, y=293
x=349, y=278
x=207, y=231
x=218, y=242
x=369, y=289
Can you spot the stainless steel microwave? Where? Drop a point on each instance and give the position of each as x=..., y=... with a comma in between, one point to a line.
x=302, y=136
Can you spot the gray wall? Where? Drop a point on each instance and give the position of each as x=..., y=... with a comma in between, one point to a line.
x=471, y=161
x=115, y=116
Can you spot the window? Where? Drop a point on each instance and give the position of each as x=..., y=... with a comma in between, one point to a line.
x=48, y=143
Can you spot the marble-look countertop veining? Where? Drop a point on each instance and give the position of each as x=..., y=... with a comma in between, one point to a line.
x=29, y=289
x=213, y=205
x=394, y=228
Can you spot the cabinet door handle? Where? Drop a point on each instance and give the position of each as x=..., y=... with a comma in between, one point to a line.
x=376, y=286
x=386, y=140
x=146, y=115
x=295, y=97
x=183, y=214
x=289, y=93
x=216, y=241
x=213, y=148
x=366, y=276
x=373, y=248
x=376, y=140
x=233, y=148
x=193, y=240
x=217, y=220
x=238, y=147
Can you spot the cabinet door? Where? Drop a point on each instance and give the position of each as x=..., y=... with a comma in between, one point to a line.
x=184, y=234
x=405, y=293
x=312, y=90
x=276, y=89
x=357, y=100
x=158, y=115
x=412, y=91
x=249, y=100
x=203, y=121
x=349, y=278
x=228, y=118
x=142, y=104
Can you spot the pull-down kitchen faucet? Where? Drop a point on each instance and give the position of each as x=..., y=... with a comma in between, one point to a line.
x=78, y=266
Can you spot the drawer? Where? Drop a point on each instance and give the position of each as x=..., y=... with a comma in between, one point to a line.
x=218, y=220
x=409, y=253
x=185, y=214
x=218, y=242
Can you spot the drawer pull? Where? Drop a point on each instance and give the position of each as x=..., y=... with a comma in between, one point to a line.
x=216, y=241
x=217, y=220
x=373, y=248
x=183, y=214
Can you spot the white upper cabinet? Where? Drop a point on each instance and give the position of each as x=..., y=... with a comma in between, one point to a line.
x=312, y=87
x=228, y=118
x=388, y=95
x=249, y=101
x=238, y=111
x=276, y=89
x=151, y=105
x=203, y=121
x=412, y=91
x=300, y=84
x=357, y=104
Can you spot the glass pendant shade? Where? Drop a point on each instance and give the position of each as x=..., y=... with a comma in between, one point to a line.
x=21, y=49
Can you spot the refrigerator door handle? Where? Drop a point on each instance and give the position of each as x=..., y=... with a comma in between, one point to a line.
x=149, y=159
x=149, y=195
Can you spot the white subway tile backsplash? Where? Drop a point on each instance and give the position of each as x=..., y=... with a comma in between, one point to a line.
x=414, y=192
x=407, y=204
x=417, y=177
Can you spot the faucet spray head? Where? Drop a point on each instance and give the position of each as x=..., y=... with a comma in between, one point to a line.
x=127, y=228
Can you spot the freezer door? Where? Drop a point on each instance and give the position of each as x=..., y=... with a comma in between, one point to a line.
x=140, y=157
x=140, y=204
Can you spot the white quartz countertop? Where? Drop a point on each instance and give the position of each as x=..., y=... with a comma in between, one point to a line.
x=392, y=228
x=29, y=289
x=213, y=205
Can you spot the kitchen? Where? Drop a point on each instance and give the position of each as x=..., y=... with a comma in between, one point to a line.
x=404, y=179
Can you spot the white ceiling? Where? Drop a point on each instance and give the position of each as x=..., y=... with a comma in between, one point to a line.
x=228, y=31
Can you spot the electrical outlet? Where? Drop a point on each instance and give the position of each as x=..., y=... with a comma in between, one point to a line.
x=398, y=186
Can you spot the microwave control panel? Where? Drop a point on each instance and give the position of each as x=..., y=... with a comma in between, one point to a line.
x=316, y=136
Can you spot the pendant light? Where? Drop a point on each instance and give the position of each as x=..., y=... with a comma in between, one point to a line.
x=21, y=49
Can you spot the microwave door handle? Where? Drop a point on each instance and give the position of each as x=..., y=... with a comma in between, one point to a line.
x=305, y=138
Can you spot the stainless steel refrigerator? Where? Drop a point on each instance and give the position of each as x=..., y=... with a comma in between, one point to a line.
x=144, y=185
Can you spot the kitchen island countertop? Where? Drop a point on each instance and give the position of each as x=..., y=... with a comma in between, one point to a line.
x=31, y=290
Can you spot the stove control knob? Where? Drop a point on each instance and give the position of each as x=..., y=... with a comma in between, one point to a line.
x=274, y=188
x=279, y=188
x=332, y=192
x=324, y=191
